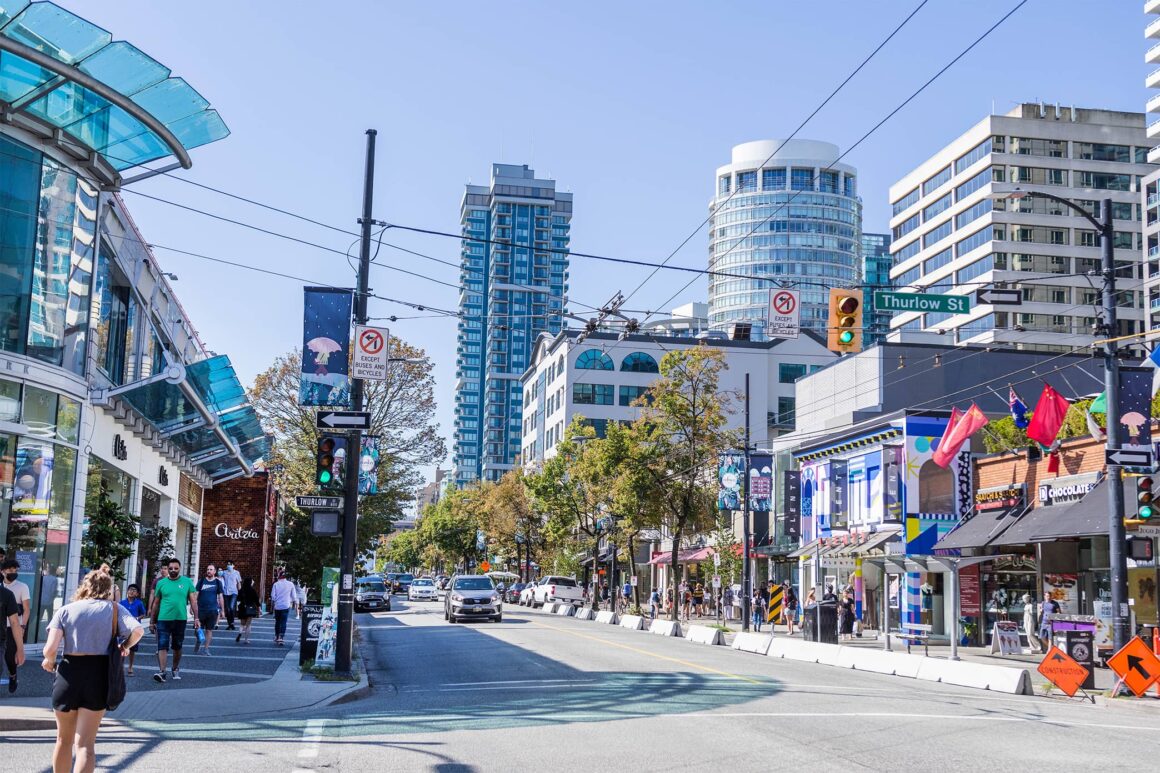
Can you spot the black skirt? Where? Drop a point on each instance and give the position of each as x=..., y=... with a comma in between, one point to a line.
x=82, y=682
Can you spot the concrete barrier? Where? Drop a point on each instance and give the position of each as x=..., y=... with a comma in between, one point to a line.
x=585, y=613
x=757, y=643
x=633, y=622
x=565, y=610
x=703, y=634
x=879, y=661
x=607, y=616
x=665, y=628
x=549, y=607
x=804, y=651
x=1015, y=681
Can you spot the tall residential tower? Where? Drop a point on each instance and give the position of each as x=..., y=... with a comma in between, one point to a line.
x=514, y=272
x=791, y=215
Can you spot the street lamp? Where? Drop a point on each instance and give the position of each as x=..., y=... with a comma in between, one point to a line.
x=1117, y=536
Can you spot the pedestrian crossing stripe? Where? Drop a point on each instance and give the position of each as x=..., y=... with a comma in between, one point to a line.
x=775, y=604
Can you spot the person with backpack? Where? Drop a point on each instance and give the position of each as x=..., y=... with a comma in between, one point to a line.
x=789, y=604
x=654, y=603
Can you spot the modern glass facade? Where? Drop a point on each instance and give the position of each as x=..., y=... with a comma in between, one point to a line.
x=515, y=286
x=802, y=228
x=876, y=262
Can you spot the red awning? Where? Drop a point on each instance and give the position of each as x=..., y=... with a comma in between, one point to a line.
x=687, y=556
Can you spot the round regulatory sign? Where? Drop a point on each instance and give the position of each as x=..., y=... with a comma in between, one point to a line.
x=784, y=303
x=371, y=341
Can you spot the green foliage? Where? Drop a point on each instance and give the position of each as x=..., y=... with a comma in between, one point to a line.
x=728, y=547
x=447, y=529
x=111, y=533
x=1003, y=435
x=156, y=546
x=405, y=550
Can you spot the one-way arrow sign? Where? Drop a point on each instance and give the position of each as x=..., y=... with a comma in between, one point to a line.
x=343, y=420
x=999, y=296
x=1129, y=457
x=1137, y=664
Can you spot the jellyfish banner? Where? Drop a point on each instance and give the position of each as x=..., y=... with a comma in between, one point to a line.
x=760, y=488
x=1136, y=406
x=325, y=379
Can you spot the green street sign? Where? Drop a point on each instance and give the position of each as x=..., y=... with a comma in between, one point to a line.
x=949, y=304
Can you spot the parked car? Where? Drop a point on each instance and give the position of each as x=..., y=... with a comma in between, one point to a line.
x=512, y=594
x=441, y=582
x=422, y=589
x=402, y=583
x=556, y=588
x=371, y=594
x=472, y=595
x=527, y=594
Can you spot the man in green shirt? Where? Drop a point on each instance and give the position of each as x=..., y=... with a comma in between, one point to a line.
x=168, y=612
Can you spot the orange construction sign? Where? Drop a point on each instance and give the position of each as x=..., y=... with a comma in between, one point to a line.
x=1063, y=671
x=1136, y=666
x=485, y=566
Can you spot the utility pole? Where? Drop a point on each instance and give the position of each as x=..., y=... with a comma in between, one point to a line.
x=342, y=655
x=746, y=585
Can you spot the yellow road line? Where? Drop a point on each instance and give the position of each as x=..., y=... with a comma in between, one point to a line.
x=650, y=654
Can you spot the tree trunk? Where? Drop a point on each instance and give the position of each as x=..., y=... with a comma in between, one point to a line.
x=674, y=613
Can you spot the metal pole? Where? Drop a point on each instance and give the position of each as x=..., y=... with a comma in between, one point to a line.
x=342, y=655
x=954, y=609
x=746, y=585
x=1117, y=539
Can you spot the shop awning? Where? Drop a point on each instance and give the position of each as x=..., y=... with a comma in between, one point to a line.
x=1086, y=518
x=685, y=556
x=981, y=529
x=810, y=548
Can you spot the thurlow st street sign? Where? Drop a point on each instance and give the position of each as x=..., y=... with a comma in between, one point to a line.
x=948, y=304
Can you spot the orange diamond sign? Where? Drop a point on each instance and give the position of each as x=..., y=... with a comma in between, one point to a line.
x=1063, y=671
x=1136, y=665
x=485, y=566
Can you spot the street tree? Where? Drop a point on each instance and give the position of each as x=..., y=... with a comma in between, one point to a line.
x=405, y=550
x=447, y=529
x=509, y=518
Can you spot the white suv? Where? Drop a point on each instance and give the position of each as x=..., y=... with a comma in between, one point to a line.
x=556, y=588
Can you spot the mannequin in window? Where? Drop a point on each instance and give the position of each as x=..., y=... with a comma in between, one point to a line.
x=927, y=592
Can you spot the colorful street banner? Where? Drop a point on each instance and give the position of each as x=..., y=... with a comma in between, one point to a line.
x=730, y=468
x=760, y=490
x=325, y=379
x=1135, y=406
x=368, y=465
x=792, y=485
x=839, y=487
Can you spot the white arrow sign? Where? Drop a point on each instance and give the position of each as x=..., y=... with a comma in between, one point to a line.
x=343, y=420
x=999, y=297
x=1128, y=457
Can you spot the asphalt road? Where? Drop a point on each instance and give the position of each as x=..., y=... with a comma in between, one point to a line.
x=537, y=692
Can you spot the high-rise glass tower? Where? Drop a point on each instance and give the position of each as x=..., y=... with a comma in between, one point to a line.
x=514, y=277
x=794, y=217
x=876, y=263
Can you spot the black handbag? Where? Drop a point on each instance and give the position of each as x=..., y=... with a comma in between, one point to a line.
x=116, y=691
x=251, y=610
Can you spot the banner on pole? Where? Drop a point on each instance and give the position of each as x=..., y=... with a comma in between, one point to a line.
x=1135, y=400
x=839, y=484
x=368, y=465
x=730, y=467
x=792, y=485
x=760, y=489
x=325, y=377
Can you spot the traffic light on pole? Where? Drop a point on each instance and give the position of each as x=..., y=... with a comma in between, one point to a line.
x=329, y=460
x=844, y=327
x=1144, y=506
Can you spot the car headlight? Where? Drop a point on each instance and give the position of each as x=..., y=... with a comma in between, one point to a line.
x=495, y=597
x=456, y=597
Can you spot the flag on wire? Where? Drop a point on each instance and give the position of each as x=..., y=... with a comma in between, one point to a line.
x=1018, y=409
x=1048, y=416
x=957, y=433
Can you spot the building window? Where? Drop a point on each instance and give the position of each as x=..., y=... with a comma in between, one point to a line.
x=934, y=182
x=1104, y=181
x=802, y=179
x=723, y=184
x=974, y=184
x=594, y=359
x=937, y=234
x=629, y=394
x=592, y=394
x=1100, y=151
x=935, y=489
x=789, y=372
x=851, y=187
x=786, y=411
x=906, y=202
x=746, y=182
x=828, y=182
x=773, y=179
x=973, y=213
x=934, y=210
x=1030, y=146
x=639, y=362
x=971, y=156
x=906, y=226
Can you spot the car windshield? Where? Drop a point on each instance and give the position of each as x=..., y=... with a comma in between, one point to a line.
x=422, y=582
x=372, y=585
x=473, y=583
x=406, y=577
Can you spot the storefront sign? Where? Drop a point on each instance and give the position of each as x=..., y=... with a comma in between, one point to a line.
x=760, y=490
x=792, y=486
x=1064, y=490
x=892, y=484
x=970, y=593
x=1064, y=590
x=223, y=530
x=1000, y=497
x=120, y=450
x=839, y=489
x=1005, y=638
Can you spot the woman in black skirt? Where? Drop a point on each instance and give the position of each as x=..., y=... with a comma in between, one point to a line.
x=80, y=691
x=249, y=607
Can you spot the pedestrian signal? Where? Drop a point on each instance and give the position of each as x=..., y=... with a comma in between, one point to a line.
x=1144, y=506
x=844, y=327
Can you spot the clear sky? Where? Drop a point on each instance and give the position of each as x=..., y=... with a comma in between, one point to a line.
x=631, y=106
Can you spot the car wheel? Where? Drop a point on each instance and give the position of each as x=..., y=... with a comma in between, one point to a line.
x=498, y=618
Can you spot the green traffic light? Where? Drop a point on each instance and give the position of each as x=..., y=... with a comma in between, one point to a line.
x=324, y=476
x=845, y=337
x=1145, y=512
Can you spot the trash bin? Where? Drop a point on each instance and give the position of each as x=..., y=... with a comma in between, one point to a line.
x=828, y=612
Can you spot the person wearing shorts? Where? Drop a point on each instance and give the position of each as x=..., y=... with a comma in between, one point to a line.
x=173, y=594
x=210, y=604
x=132, y=602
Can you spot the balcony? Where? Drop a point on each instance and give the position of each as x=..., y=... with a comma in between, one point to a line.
x=1154, y=155
x=1151, y=6
x=1153, y=29
x=1152, y=55
x=1153, y=104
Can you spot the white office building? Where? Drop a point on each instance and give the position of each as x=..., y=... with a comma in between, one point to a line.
x=950, y=234
x=1150, y=193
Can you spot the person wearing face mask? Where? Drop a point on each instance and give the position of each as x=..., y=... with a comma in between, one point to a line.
x=209, y=605
x=173, y=594
x=231, y=581
x=10, y=569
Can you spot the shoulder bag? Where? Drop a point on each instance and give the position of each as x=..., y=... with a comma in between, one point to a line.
x=116, y=691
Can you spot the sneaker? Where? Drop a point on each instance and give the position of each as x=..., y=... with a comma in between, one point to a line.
x=159, y=677
x=238, y=639
x=207, y=652
x=176, y=676
x=12, y=683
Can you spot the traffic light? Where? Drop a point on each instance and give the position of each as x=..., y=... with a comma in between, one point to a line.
x=329, y=460
x=1144, y=507
x=844, y=326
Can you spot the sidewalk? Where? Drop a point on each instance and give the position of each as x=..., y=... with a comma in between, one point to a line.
x=236, y=680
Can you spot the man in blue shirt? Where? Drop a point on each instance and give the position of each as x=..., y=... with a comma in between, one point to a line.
x=210, y=603
x=231, y=581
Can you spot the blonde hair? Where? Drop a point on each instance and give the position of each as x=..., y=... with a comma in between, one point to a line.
x=97, y=584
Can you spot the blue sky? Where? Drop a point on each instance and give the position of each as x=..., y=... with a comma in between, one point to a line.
x=631, y=106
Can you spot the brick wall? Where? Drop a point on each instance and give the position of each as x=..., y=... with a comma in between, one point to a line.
x=1077, y=456
x=237, y=525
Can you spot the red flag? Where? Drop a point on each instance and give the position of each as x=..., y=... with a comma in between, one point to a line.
x=1048, y=416
x=1053, y=463
x=957, y=433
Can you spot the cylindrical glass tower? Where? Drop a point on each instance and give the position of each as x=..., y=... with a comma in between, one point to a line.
x=806, y=221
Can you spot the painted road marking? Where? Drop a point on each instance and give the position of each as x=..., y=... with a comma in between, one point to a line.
x=311, y=738
x=515, y=681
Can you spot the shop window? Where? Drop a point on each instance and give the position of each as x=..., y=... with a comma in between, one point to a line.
x=19, y=201
x=9, y=400
x=935, y=489
x=40, y=412
x=112, y=296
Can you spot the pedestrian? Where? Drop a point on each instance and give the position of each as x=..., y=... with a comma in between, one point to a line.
x=626, y=593
x=846, y=612
x=10, y=569
x=654, y=603
x=699, y=600
x=88, y=628
x=249, y=607
x=1029, y=623
x=829, y=594
x=283, y=598
x=210, y=602
x=757, y=610
x=168, y=611
x=231, y=581
x=1048, y=611
x=811, y=597
x=669, y=597
x=687, y=602
x=729, y=602
x=11, y=628
x=301, y=598
x=136, y=607
x=789, y=602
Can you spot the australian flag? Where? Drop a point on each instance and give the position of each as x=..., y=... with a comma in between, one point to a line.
x=1018, y=409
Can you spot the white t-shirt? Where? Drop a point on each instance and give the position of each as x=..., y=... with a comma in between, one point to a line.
x=283, y=594
x=20, y=591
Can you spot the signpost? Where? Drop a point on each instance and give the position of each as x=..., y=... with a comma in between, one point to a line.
x=1136, y=665
x=886, y=300
x=1063, y=671
x=370, y=352
x=785, y=314
x=342, y=420
x=311, y=502
x=1128, y=457
x=999, y=297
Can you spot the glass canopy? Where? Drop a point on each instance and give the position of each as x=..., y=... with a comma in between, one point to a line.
x=110, y=97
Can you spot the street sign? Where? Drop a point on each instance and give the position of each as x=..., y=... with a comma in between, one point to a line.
x=1147, y=531
x=370, y=353
x=342, y=420
x=485, y=566
x=993, y=296
x=716, y=559
x=1063, y=671
x=716, y=581
x=785, y=314
x=327, y=503
x=1129, y=457
x=634, y=579
x=885, y=300
x=1136, y=666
